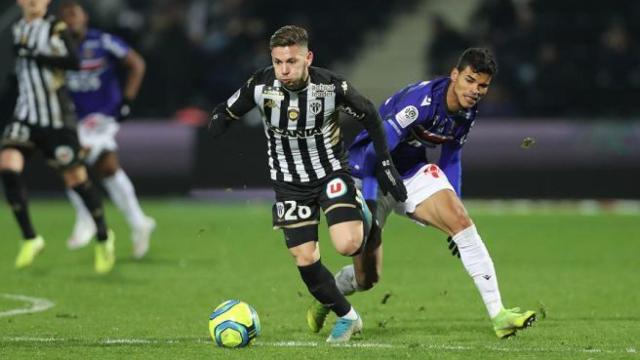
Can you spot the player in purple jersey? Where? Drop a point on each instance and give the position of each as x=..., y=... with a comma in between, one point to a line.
x=417, y=119
x=101, y=103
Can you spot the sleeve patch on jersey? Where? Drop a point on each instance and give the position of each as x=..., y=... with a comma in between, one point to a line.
x=233, y=98
x=407, y=116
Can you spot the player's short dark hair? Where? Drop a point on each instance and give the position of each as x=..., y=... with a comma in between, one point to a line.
x=65, y=4
x=481, y=60
x=289, y=35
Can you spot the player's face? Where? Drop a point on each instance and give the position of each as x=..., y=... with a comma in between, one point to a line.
x=76, y=18
x=469, y=87
x=291, y=64
x=34, y=8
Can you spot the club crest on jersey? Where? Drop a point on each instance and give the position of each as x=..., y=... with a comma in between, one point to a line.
x=280, y=210
x=293, y=113
x=64, y=155
x=315, y=106
x=407, y=116
x=336, y=188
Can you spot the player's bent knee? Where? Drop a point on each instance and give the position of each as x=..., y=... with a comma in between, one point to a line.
x=461, y=220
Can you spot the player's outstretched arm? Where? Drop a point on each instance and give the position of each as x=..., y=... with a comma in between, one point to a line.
x=219, y=120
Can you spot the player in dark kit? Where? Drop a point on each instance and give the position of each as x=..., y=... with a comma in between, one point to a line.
x=308, y=164
x=44, y=120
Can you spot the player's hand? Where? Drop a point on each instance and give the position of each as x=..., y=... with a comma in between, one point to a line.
x=125, y=110
x=390, y=180
x=25, y=52
x=453, y=247
x=219, y=120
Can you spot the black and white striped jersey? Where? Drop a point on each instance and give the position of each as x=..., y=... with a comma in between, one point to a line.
x=41, y=57
x=302, y=127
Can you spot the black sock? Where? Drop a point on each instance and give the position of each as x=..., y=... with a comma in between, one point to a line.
x=322, y=286
x=93, y=202
x=16, y=193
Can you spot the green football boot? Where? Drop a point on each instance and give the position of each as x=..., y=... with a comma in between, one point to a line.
x=28, y=251
x=105, y=254
x=508, y=321
x=316, y=316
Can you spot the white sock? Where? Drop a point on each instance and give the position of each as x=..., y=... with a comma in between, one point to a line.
x=123, y=194
x=82, y=214
x=476, y=260
x=351, y=315
x=346, y=280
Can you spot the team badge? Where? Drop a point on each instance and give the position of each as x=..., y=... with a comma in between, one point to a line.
x=336, y=188
x=64, y=155
x=280, y=210
x=293, y=113
x=315, y=106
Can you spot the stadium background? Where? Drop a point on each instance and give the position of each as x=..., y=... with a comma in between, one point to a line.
x=569, y=74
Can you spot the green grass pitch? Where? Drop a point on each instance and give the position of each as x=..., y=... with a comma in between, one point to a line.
x=580, y=272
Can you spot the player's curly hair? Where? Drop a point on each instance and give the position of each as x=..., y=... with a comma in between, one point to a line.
x=481, y=60
x=289, y=35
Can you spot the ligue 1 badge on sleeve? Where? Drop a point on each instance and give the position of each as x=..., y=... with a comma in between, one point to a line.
x=293, y=113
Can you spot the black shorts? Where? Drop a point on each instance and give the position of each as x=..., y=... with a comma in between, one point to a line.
x=297, y=207
x=60, y=147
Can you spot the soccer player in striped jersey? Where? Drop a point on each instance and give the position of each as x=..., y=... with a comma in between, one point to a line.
x=101, y=102
x=299, y=104
x=44, y=120
x=417, y=119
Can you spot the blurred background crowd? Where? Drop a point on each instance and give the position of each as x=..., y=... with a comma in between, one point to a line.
x=557, y=58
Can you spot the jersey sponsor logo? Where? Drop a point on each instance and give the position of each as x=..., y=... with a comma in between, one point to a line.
x=407, y=116
x=270, y=103
x=293, y=113
x=63, y=154
x=349, y=111
x=336, y=188
x=322, y=90
x=296, y=133
x=426, y=101
x=315, y=106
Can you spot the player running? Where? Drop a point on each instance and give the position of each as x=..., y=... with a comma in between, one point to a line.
x=44, y=120
x=417, y=119
x=308, y=164
x=101, y=103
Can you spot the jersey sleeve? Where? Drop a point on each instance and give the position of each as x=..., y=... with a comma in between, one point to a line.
x=63, y=48
x=242, y=101
x=115, y=46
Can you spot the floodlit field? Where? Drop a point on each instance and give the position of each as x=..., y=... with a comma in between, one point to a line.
x=577, y=268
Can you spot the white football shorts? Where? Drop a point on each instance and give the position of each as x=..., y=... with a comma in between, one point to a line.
x=97, y=132
x=425, y=182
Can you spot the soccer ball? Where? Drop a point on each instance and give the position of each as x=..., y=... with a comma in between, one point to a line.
x=233, y=324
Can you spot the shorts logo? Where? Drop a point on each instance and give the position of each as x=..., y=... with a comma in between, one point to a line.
x=433, y=170
x=315, y=106
x=280, y=209
x=64, y=155
x=336, y=188
x=407, y=116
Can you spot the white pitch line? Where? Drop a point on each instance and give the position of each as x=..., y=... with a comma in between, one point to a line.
x=37, y=305
x=314, y=344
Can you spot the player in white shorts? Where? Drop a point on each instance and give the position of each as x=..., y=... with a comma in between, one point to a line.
x=101, y=102
x=417, y=119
